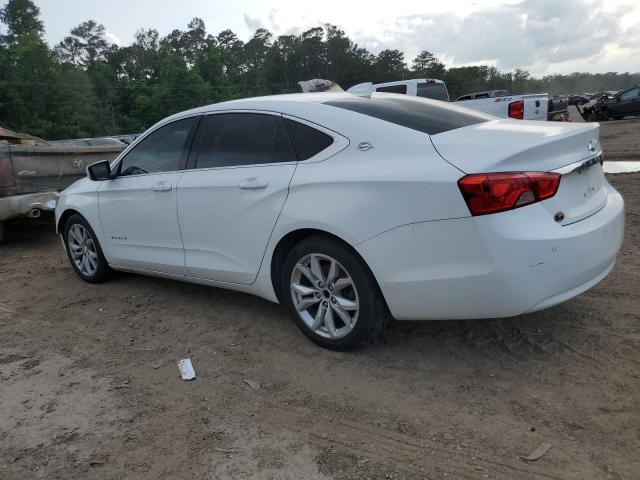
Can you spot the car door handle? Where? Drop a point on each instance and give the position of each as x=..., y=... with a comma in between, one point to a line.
x=161, y=187
x=253, y=184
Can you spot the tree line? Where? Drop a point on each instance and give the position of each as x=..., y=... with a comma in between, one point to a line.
x=85, y=86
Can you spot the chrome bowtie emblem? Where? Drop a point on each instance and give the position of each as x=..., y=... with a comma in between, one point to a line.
x=365, y=146
x=592, y=145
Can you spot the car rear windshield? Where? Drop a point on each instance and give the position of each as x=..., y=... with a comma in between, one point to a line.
x=437, y=91
x=427, y=116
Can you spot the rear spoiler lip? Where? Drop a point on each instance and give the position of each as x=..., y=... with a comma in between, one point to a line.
x=581, y=164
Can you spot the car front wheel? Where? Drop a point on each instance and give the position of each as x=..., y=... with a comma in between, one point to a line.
x=331, y=293
x=84, y=251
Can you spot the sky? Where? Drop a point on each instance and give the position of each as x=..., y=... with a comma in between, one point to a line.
x=541, y=36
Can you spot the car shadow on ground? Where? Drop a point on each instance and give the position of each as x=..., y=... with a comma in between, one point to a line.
x=28, y=232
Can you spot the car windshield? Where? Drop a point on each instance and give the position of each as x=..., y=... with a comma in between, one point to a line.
x=427, y=116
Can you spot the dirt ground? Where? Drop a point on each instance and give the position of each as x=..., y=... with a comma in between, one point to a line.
x=89, y=387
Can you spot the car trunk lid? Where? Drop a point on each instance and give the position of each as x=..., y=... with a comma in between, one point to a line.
x=523, y=146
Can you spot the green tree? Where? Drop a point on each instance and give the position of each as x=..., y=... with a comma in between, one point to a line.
x=229, y=42
x=427, y=65
x=189, y=44
x=21, y=17
x=177, y=89
x=255, y=58
x=26, y=77
x=212, y=65
x=86, y=87
x=313, y=54
x=389, y=66
x=84, y=46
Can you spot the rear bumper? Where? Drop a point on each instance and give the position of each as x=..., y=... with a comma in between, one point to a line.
x=493, y=266
x=24, y=205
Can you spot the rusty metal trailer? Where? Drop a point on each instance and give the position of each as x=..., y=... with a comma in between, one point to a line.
x=31, y=175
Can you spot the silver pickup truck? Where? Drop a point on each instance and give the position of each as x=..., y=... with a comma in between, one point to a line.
x=32, y=172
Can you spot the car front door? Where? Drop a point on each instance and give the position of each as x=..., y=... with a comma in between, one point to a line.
x=232, y=194
x=138, y=207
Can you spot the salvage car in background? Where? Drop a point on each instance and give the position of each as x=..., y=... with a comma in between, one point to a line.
x=347, y=208
x=577, y=100
x=88, y=142
x=614, y=107
x=32, y=172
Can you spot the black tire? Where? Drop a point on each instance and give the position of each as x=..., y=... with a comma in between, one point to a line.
x=102, y=271
x=372, y=315
x=597, y=117
x=1, y=231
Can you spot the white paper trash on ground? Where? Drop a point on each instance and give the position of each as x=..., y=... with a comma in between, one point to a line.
x=186, y=369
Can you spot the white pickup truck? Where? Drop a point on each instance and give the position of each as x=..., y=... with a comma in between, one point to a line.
x=502, y=103
x=418, y=87
x=536, y=106
x=499, y=102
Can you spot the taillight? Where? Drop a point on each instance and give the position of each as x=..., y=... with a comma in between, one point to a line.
x=516, y=109
x=497, y=192
x=6, y=173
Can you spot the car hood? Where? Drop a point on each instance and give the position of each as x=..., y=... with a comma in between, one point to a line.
x=517, y=145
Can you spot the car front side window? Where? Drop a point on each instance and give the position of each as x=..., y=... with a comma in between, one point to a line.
x=163, y=150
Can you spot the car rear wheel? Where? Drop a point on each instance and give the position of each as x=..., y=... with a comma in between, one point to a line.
x=84, y=251
x=331, y=294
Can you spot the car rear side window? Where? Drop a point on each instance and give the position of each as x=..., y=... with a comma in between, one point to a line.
x=307, y=141
x=419, y=114
x=232, y=139
x=163, y=150
x=393, y=89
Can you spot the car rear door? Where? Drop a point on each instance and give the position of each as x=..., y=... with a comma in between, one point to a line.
x=138, y=207
x=231, y=195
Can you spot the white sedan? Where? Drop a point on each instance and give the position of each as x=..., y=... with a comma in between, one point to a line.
x=352, y=210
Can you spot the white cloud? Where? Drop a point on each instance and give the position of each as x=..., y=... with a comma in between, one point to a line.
x=533, y=34
x=539, y=35
x=252, y=23
x=112, y=38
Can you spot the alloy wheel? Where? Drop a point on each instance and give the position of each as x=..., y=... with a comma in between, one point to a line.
x=324, y=295
x=82, y=248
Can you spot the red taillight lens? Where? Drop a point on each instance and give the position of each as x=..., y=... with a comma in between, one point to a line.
x=516, y=110
x=496, y=192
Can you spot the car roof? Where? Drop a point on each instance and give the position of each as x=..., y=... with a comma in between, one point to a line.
x=346, y=114
x=269, y=101
x=290, y=103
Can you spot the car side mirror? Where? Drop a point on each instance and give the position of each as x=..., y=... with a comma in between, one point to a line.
x=99, y=171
